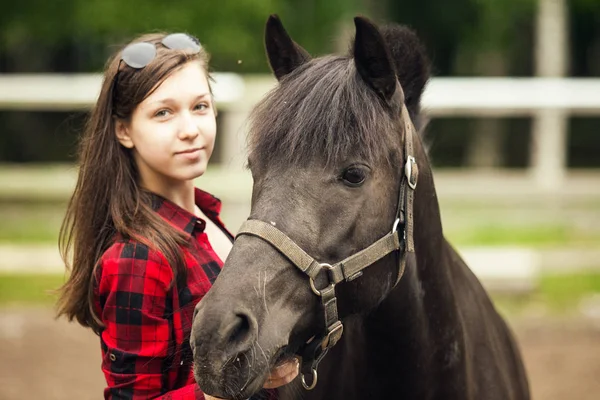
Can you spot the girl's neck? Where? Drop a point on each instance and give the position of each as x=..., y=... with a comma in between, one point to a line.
x=179, y=193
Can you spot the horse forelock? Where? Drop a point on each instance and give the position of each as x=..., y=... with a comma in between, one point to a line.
x=323, y=111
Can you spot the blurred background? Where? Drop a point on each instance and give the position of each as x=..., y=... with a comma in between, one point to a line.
x=514, y=139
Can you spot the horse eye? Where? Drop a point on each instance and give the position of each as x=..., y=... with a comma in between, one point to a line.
x=354, y=176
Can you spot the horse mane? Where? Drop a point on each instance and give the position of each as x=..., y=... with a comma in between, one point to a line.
x=324, y=110
x=412, y=65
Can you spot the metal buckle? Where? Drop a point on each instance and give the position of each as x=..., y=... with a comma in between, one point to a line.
x=333, y=336
x=312, y=282
x=408, y=169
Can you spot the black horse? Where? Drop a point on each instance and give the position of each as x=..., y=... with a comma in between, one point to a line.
x=341, y=176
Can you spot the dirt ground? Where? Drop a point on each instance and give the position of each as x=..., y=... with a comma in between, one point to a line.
x=47, y=359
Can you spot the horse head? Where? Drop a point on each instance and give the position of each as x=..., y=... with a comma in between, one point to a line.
x=327, y=152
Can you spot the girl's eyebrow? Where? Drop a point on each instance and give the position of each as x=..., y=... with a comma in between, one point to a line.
x=170, y=100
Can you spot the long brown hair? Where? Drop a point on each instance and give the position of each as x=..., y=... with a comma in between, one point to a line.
x=108, y=199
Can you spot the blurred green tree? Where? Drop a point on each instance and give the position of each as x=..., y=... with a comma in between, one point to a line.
x=78, y=35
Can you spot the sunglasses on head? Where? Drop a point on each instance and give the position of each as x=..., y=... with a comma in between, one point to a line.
x=138, y=55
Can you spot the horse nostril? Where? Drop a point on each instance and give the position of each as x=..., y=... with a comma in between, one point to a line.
x=239, y=329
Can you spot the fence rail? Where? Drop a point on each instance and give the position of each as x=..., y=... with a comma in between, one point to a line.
x=443, y=96
x=550, y=101
x=66, y=92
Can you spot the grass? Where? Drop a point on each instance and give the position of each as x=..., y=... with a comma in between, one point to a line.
x=536, y=236
x=39, y=222
x=562, y=292
x=33, y=203
x=29, y=289
x=556, y=293
x=30, y=222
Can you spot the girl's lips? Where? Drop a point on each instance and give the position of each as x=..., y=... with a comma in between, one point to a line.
x=191, y=154
x=189, y=151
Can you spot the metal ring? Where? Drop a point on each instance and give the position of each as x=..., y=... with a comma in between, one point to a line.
x=312, y=281
x=314, y=380
x=314, y=289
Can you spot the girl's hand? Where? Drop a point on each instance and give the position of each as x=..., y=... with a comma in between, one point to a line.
x=283, y=374
x=279, y=376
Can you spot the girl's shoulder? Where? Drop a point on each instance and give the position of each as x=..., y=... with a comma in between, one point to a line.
x=127, y=257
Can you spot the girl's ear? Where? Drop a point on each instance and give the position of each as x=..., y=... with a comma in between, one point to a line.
x=122, y=134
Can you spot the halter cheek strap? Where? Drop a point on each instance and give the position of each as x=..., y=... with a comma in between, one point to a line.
x=324, y=277
x=406, y=194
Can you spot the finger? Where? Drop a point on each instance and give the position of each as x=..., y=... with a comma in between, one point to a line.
x=284, y=370
x=283, y=374
x=275, y=383
x=207, y=397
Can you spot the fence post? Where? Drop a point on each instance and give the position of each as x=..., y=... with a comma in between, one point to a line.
x=232, y=133
x=549, y=130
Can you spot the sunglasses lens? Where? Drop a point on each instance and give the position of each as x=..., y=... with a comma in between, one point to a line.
x=181, y=41
x=138, y=55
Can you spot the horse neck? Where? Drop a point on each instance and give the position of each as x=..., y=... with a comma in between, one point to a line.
x=418, y=321
x=427, y=268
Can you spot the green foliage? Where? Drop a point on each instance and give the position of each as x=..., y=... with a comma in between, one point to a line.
x=495, y=27
x=588, y=5
x=42, y=21
x=232, y=31
x=456, y=32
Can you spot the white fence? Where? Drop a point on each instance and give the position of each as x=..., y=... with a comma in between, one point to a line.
x=546, y=99
x=550, y=101
x=443, y=97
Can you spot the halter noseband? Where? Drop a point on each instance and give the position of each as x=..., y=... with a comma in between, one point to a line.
x=351, y=267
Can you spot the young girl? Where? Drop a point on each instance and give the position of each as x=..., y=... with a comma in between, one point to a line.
x=143, y=245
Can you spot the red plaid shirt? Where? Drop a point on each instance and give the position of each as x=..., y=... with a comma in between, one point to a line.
x=145, y=342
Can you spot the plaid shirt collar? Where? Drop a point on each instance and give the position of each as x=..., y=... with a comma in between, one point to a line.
x=183, y=219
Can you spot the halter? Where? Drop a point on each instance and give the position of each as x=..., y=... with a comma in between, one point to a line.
x=324, y=277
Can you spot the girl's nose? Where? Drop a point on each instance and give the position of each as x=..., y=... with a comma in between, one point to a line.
x=189, y=127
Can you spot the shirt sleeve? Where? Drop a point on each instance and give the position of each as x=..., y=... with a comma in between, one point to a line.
x=137, y=339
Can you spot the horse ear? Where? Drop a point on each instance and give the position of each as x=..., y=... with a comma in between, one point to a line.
x=284, y=54
x=372, y=59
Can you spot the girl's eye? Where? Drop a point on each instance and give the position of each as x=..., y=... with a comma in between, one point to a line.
x=202, y=106
x=162, y=113
x=354, y=176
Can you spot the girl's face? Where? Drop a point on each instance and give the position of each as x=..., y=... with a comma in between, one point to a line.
x=172, y=132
